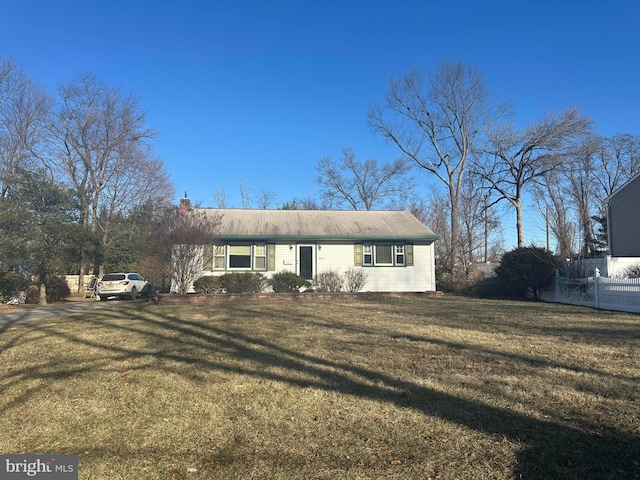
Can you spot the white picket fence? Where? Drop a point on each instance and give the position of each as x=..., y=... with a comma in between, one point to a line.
x=622, y=294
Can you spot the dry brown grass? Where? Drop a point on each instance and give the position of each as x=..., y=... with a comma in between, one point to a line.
x=440, y=388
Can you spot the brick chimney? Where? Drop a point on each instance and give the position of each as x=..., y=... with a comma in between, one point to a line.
x=185, y=205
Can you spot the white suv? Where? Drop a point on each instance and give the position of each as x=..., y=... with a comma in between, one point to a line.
x=122, y=285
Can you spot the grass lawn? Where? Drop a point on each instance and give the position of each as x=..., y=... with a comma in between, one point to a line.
x=406, y=388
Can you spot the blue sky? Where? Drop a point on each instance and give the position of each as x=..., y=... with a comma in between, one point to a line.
x=256, y=92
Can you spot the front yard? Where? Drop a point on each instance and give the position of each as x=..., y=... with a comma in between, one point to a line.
x=441, y=388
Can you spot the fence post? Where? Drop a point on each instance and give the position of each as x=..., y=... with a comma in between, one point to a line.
x=596, y=286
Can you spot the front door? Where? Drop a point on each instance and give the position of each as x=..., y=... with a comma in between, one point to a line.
x=305, y=256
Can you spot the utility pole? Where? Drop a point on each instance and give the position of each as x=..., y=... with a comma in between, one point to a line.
x=546, y=220
x=486, y=231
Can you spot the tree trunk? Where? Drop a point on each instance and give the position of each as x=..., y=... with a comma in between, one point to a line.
x=43, y=294
x=519, y=222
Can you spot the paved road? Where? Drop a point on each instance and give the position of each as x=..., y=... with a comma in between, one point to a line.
x=29, y=314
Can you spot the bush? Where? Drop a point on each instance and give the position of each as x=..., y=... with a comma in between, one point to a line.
x=57, y=290
x=330, y=282
x=525, y=271
x=487, y=288
x=445, y=279
x=208, y=284
x=7, y=285
x=632, y=272
x=241, y=282
x=355, y=279
x=284, y=282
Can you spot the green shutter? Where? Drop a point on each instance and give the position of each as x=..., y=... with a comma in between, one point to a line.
x=271, y=257
x=207, y=257
x=408, y=251
x=357, y=255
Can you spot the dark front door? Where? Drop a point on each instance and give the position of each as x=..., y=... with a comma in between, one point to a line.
x=306, y=262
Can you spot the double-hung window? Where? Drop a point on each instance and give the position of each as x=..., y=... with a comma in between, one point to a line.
x=243, y=257
x=240, y=257
x=218, y=257
x=367, y=254
x=260, y=257
x=384, y=255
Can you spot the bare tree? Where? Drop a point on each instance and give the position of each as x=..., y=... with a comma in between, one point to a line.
x=23, y=110
x=436, y=216
x=479, y=223
x=581, y=174
x=142, y=179
x=517, y=159
x=435, y=122
x=181, y=234
x=555, y=203
x=414, y=204
x=307, y=203
x=599, y=166
x=220, y=198
x=262, y=199
x=101, y=147
x=362, y=185
x=96, y=133
x=617, y=160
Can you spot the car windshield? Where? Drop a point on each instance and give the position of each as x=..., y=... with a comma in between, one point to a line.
x=110, y=277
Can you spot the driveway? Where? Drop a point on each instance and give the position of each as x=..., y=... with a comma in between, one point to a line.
x=28, y=314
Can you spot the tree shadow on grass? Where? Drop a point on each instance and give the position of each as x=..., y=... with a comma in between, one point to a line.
x=553, y=451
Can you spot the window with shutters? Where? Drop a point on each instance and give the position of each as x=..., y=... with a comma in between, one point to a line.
x=218, y=257
x=399, y=260
x=255, y=257
x=260, y=257
x=384, y=255
x=367, y=255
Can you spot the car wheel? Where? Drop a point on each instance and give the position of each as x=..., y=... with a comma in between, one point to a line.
x=134, y=293
x=103, y=298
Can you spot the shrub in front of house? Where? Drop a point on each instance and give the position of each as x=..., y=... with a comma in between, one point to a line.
x=57, y=290
x=355, y=279
x=329, y=282
x=285, y=282
x=7, y=285
x=525, y=271
x=241, y=282
x=632, y=271
x=208, y=284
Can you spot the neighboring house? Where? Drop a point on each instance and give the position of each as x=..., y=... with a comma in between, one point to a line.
x=394, y=248
x=623, y=220
x=623, y=229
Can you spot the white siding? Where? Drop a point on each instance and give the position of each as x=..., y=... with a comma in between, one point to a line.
x=624, y=227
x=285, y=258
x=417, y=278
x=340, y=257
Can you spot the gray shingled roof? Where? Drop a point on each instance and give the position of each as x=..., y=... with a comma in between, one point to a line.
x=320, y=224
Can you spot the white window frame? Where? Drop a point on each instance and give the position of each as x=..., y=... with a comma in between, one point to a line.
x=229, y=255
x=391, y=248
x=253, y=256
x=398, y=251
x=263, y=256
x=371, y=250
x=219, y=252
x=367, y=251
